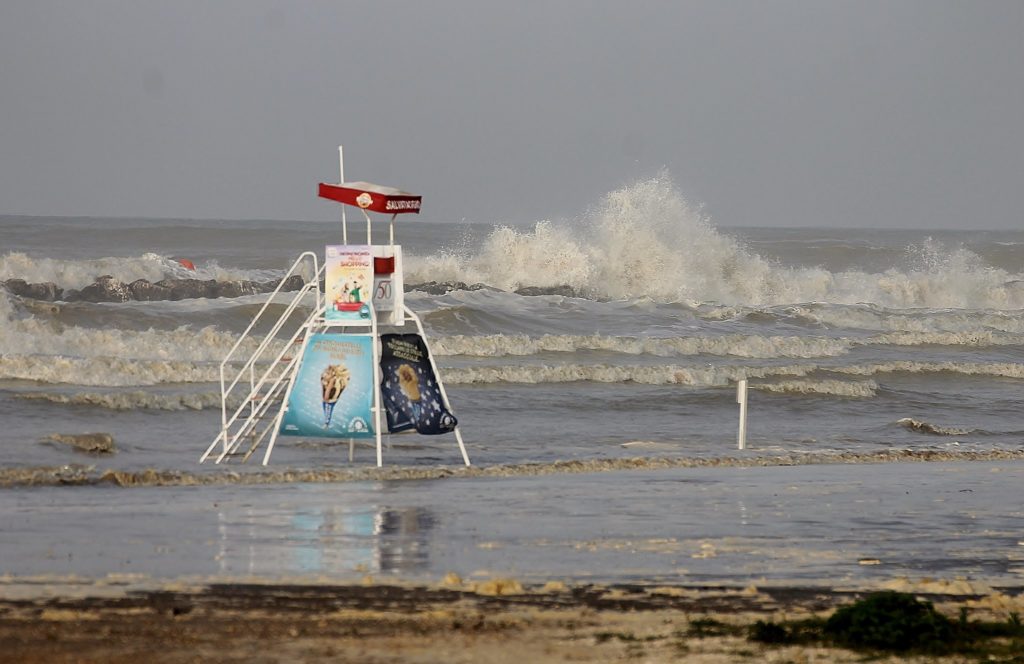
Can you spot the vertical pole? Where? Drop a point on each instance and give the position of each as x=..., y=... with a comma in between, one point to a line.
x=369, y=236
x=741, y=399
x=375, y=345
x=341, y=180
x=391, y=231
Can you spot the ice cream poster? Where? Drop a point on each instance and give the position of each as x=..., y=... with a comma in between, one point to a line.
x=333, y=392
x=348, y=283
x=409, y=390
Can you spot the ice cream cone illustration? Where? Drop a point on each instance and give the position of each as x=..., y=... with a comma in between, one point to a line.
x=333, y=382
x=409, y=383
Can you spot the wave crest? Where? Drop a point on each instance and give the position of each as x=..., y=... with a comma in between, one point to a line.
x=646, y=240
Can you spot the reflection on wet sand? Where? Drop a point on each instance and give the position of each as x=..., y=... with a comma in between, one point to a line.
x=325, y=540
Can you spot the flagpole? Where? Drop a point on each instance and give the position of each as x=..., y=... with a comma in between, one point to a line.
x=341, y=180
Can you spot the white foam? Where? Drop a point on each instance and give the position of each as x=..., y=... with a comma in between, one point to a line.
x=997, y=369
x=752, y=346
x=645, y=240
x=602, y=373
x=129, y=400
x=840, y=388
x=926, y=321
x=104, y=371
x=150, y=266
x=721, y=376
x=40, y=350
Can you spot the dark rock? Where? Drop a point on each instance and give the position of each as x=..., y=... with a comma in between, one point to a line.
x=146, y=291
x=108, y=289
x=443, y=287
x=564, y=290
x=105, y=289
x=292, y=283
x=48, y=290
x=239, y=288
x=185, y=289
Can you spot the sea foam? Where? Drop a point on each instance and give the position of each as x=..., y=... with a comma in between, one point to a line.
x=150, y=266
x=646, y=240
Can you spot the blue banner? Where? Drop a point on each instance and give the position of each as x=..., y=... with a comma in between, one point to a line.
x=409, y=389
x=333, y=392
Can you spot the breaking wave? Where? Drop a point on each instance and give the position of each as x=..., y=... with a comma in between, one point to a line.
x=753, y=346
x=736, y=345
x=152, y=267
x=646, y=240
x=721, y=376
x=838, y=388
x=105, y=371
x=46, y=351
x=129, y=400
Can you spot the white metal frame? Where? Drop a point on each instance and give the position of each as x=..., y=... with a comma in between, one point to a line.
x=262, y=392
x=267, y=390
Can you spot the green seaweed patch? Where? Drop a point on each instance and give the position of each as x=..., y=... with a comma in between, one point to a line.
x=899, y=622
x=705, y=627
x=891, y=621
x=799, y=632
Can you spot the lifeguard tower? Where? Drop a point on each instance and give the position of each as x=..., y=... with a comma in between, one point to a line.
x=347, y=369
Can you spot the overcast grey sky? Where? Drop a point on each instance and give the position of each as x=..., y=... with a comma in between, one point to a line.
x=770, y=113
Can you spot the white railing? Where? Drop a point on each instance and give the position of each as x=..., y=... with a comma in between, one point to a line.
x=262, y=392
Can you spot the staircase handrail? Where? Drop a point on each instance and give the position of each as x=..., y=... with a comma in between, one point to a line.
x=312, y=285
x=231, y=442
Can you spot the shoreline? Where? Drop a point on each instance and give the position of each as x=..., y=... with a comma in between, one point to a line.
x=85, y=475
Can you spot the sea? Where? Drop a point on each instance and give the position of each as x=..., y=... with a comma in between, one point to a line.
x=592, y=363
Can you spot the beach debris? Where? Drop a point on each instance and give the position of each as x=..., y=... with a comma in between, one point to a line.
x=47, y=475
x=554, y=587
x=92, y=443
x=928, y=427
x=451, y=580
x=707, y=550
x=497, y=587
x=869, y=561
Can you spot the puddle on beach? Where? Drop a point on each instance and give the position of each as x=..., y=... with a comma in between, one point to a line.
x=804, y=524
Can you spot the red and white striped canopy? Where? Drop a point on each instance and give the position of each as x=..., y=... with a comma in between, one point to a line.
x=374, y=197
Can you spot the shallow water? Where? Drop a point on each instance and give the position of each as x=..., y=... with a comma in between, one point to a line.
x=856, y=342
x=836, y=525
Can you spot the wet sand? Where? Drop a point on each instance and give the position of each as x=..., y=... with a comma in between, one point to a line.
x=495, y=621
x=552, y=565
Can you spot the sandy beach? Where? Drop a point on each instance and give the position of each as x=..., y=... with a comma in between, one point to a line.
x=497, y=621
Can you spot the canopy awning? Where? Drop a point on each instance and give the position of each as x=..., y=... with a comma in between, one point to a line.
x=373, y=197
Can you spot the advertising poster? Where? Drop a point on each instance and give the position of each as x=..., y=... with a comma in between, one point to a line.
x=388, y=286
x=409, y=390
x=333, y=392
x=348, y=283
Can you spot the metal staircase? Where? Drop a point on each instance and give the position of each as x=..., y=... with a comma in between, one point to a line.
x=258, y=387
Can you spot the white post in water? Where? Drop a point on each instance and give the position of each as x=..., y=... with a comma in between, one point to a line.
x=341, y=180
x=741, y=399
